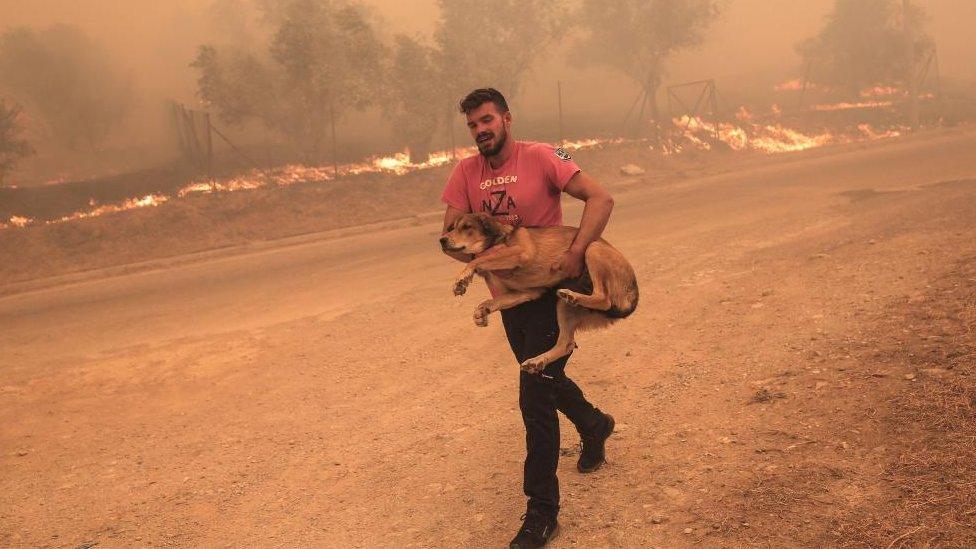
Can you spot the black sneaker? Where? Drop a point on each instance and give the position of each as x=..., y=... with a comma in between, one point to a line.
x=536, y=531
x=592, y=451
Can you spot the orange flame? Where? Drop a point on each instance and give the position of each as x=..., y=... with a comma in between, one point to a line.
x=150, y=200
x=16, y=221
x=844, y=106
x=873, y=134
x=880, y=91
x=128, y=204
x=791, y=85
x=587, y=143
x=397, y=164
x=867, y=93
x=282, y=176
x=765, y=138
x=769, y=139
x=797, y=84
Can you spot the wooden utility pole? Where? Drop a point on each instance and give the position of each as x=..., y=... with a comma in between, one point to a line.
x=559, y=94
x=209, y=143
x=938, y=83
x=180, y=132
x=335, y=159
x=623, y=126
x=450, y=131
x=192, y=136
x=806, y=80
x=640, y=115
x=911, y=83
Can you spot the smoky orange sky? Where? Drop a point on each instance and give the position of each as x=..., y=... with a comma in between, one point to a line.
x=155, y=41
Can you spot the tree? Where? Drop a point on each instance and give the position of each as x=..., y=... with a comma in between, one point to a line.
x=863, y=44
x=425, y=82
x=494, y=43
x=13, y=146
x=239, y=85
x=416, y=97
x=68, y=81
x=322, y=60
x=636, y=37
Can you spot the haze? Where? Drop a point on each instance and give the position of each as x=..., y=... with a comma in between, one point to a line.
x=156, y=41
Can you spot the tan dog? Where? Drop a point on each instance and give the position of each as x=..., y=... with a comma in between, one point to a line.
x=521, y=263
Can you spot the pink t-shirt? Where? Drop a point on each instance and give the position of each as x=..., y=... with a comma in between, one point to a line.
x=525, y=190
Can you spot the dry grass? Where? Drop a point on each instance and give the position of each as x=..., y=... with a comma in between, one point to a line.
x=930, y=479
x=912, y=480
x=933, y=479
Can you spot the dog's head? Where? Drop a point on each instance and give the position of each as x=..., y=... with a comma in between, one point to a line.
x=474, y=233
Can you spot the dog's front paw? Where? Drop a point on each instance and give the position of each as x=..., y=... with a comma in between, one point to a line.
x=481, y=315
x=535, y=365
x=568, y=296
x=461, y=284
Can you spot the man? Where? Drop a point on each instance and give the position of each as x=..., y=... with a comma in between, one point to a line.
x=520, y=182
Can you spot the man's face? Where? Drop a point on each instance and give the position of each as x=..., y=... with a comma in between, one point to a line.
x=489, y=128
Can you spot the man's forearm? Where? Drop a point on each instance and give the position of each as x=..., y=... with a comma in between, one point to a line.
x=596, y=215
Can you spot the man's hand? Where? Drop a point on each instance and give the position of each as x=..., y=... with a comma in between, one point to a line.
x=571, y=263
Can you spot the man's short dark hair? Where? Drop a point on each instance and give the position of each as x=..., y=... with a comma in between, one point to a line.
x=481, y=96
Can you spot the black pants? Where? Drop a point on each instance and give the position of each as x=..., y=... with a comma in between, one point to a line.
x=532, y=329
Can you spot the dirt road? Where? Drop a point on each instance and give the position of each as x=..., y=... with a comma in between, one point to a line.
x=335, y=394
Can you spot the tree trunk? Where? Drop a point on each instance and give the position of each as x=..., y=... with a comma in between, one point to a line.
x=335, y=147
x=640, y=114
x=647, y=124
x=655, y=114
x=419, y=149
x=651, y=84
x=420, y=139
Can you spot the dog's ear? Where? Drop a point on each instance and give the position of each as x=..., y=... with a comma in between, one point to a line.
x=495, y=231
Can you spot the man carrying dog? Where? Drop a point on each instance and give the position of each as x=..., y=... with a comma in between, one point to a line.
x=521, y=183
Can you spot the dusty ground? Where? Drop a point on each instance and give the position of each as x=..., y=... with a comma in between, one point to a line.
x=780, y=384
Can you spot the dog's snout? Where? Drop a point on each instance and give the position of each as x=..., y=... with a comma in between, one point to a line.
x=444, y=242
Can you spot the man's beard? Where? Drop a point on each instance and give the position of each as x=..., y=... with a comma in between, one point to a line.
x=501, y=139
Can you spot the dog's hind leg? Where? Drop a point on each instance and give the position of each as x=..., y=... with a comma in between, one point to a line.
x=503, y=301
x=568, y=320
x=598, y=300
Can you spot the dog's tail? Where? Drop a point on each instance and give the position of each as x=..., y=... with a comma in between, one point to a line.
x=627, y=305
x=594, y=320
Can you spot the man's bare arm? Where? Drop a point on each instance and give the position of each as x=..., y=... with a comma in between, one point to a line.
x=596, y=215
x=451, y=215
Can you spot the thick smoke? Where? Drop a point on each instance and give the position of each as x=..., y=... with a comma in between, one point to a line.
x=148, y=48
